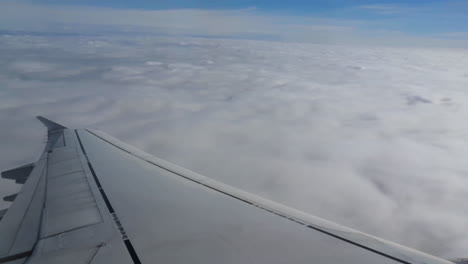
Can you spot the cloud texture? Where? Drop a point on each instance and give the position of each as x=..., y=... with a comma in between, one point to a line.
x=373, y=138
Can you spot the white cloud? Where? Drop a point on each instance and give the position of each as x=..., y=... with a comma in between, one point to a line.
x=367, y=137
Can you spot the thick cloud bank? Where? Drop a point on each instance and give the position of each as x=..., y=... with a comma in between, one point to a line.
x=373, y=138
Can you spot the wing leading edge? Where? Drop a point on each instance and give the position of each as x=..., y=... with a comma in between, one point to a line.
x=93, y=199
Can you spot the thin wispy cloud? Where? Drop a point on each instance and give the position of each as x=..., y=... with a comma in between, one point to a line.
x=461, y=35
x=428, y=18
x=233, y=23
x=387, y=9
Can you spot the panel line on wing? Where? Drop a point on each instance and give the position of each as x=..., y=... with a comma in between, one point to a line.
x=126, y=240
x=103, y=194
x=357, y=244
x=16, y=256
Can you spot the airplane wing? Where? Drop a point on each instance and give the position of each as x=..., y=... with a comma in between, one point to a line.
x=93, y=199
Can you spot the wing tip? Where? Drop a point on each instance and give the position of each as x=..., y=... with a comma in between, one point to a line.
x=51, y=125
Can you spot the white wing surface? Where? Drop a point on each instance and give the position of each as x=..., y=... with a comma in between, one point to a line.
x=93, y=199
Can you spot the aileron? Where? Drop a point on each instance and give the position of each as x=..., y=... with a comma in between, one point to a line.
x=19, y=174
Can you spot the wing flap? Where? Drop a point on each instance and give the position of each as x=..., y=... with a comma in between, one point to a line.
x=28, y=233
x=55, y=218
x=17, y=217
x=70, y=204
x=74, y=222
x=19, y=174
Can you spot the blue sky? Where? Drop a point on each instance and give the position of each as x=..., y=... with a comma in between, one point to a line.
x=412, y=16
x=278, y=18
x=298, y=6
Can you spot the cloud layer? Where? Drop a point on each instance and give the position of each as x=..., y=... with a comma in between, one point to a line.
x=373, y=138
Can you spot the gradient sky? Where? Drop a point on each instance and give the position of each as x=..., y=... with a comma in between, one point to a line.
x=421, y=17
x=408, y=23
x=296, y=5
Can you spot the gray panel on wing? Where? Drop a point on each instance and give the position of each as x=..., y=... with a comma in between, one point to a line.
x=70, y=256
x=64, y=167
x=59, y=142
x=27, y=235
x=70, y=203
x=55, y=140
x=63, y=154
x=74, y=225
x=73, y=247
x=18, y=214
